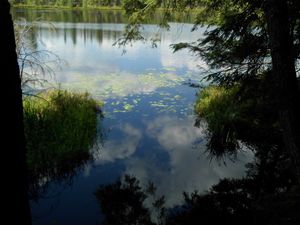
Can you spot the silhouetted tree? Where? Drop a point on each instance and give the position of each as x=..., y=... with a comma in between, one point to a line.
x=252, y=37
x=13, y=140
x=280, y=31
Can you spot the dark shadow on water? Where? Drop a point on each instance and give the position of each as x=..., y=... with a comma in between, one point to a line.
x=123, y=202
x=231, y=201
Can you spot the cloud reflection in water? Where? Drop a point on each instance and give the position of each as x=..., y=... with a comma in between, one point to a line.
x=120, y=148
x=187, y=167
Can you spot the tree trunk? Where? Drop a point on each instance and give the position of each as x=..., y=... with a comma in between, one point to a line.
x=287, y=93
x=14, y=180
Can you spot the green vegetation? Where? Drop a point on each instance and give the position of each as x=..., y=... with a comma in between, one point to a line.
x=89, y=3
x=217, y=106
x=68, y=4
x=237, y=116
x=92, y=4
x=244, y=116
x=216, y=103
x=60, y=128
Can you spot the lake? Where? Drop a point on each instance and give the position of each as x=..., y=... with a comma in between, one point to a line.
x=148, y=127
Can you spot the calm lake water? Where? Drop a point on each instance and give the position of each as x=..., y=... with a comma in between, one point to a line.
x=148, y=129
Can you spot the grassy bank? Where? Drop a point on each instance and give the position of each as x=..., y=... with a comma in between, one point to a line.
x=60, y=128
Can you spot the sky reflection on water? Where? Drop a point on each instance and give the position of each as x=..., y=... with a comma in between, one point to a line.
x=149, y=121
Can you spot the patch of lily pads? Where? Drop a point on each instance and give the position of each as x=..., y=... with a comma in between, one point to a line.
x=124, y=84
x=124, y=91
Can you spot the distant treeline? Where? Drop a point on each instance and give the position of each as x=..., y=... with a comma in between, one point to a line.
x=70, y=3
x=93, y=3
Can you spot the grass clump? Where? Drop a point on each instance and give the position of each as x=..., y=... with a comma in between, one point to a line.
x=217, y=106
x=60, y=128
x=238, y=115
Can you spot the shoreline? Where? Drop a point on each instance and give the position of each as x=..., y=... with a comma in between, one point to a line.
x=99, y=8
x=53, y=7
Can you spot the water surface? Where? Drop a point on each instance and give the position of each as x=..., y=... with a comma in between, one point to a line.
x=149, y=120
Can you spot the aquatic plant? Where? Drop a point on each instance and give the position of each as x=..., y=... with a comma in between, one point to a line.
x=60, y=129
